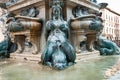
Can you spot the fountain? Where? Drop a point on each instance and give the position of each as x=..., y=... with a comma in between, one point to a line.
x=55, y=34
x=86, y=70
x=28, y=30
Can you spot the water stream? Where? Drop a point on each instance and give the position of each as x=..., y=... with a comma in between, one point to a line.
x=83, y=70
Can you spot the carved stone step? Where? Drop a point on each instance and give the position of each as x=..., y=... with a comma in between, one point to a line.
x=37, y=58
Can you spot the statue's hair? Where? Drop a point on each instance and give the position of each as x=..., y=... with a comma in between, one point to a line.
x=57, y=6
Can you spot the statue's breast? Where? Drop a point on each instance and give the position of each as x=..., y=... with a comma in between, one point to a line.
x=56, y=24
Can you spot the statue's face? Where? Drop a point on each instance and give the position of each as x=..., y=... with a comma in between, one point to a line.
x=56, y=13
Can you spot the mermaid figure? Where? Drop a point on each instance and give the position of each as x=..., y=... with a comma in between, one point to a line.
x=59, y=53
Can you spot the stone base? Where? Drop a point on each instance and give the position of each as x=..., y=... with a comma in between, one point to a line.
x=87, y=55
x=25, y=57
x=37, y=58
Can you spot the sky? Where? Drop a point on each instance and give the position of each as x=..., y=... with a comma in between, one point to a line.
x=112, y=4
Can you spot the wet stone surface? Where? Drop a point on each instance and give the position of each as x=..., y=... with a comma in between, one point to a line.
x=92, y=69
x=115, y=77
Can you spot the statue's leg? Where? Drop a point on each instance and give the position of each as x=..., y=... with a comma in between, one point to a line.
x=46, y=57
x=69, y=52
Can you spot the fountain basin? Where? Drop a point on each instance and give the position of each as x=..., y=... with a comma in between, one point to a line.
x=84, y=70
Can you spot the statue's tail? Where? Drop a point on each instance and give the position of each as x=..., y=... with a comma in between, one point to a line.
x=118, y=51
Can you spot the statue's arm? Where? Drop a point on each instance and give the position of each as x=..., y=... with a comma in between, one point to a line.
x=47, y=29
x=66, y=30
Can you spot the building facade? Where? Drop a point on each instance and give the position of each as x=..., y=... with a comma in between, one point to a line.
x=111, y=23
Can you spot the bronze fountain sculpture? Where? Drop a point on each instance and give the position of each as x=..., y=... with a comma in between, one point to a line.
x=106, y=47
x=58, y=53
